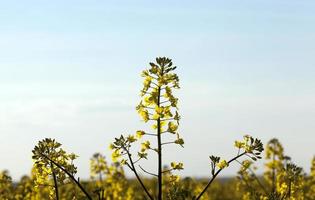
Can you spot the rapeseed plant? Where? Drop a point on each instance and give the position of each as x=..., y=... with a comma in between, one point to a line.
x=52, y=162
x=158, y=106
x=53, y=173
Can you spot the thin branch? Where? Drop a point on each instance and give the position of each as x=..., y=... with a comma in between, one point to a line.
x=166, y=101
x=155, y=150
x=167, y=119
x=216, y=174
x=155, y=84
x=152, y=76
x=129, y=166
x=148, y=172
x=150, y=134
x=137, y=161
x=152, y=87
x=239, y=150
x=144, y=92
x=168, y=86
x=147, y=107
x=168, y=143
x=165, y=171
x=132, y=167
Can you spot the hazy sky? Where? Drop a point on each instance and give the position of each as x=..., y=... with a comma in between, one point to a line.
x=71, y=70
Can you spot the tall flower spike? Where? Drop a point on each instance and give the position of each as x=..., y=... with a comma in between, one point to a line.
x=158, y=106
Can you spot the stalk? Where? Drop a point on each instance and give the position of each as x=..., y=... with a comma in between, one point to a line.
x=55, y=181
x=159, y=149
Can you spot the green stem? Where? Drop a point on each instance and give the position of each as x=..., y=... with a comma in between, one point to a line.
x=55, y=181
x=160, y=174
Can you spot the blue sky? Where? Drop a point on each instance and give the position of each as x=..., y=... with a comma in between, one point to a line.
x=71, y=70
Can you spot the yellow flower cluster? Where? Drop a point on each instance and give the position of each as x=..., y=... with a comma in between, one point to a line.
x=48, y=157
x=251, y=146
x=177, y=166
x=222, y=164
x=159, y=106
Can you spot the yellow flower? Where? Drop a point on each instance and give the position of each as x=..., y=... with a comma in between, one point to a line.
x=168, y=92
x=159, y=110
x=145, y=145
x=142, y=155
x=162, y=124
x=115, y=155
x=248, y=149
x=172, y=127
x=179, y=141
x=222, y=164
x=156, y=116
x=111, y=146
x=139, y=134
x=145, y=73
x=145, y=115
x=123, y=161
x=131, y=138
x=177, y=166
x=154, y=126
x=148, y=100
x=239, y=144
x=167, y=112
x=147, y=81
